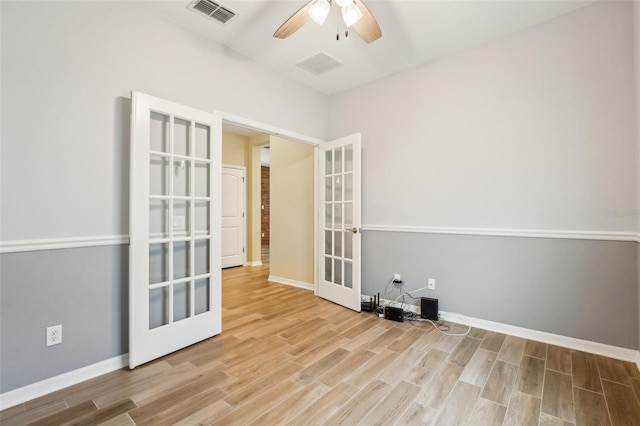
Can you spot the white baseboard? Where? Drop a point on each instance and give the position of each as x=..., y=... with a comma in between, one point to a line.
x=294, y=283
x=43, y=387
x=603, y=349
x=254, y=263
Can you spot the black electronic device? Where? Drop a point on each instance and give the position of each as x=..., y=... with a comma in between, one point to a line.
x=429, y=308
x=394, y=314
x=371, y=304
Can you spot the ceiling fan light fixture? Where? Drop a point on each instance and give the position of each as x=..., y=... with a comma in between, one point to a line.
x=343, y=3
x=351, y=14
x=319, y=11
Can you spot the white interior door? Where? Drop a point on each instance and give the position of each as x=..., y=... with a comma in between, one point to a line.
x=339, y=224
x=233, y=216
x=174, y=256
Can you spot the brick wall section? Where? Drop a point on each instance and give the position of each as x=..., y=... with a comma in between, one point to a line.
x=264, y=182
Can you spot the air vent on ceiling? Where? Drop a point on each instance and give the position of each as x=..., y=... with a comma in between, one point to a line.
x=319, y=63
x=213, y=10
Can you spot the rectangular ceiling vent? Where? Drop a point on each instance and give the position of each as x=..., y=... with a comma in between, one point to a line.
x=319, y=63
x=213, y=10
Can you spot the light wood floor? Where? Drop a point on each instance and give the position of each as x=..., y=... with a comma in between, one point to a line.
x=287, y=357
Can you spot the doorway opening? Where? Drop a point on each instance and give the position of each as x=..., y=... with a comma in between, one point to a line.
x=280, y=202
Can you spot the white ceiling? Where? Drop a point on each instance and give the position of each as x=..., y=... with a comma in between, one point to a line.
x=413, y=33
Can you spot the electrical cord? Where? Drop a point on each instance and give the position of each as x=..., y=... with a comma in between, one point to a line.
x=440, y=325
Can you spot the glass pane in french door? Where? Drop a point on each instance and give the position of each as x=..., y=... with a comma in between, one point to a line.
x=338, y=216
x=179, y=217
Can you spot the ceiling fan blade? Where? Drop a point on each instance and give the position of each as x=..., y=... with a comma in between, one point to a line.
x=367, y=27
x=294, y=23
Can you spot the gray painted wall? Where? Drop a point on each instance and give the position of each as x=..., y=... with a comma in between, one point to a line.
x=577, y=288
x=85, y=290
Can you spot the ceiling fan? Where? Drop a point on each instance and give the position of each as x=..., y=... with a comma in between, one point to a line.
x=354, y=14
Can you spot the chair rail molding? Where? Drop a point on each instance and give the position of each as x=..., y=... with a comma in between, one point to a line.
x=508, y=232
x=18, y=246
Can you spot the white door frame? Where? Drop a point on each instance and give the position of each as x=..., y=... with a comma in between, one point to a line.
x=244, y=208
x=276, y=131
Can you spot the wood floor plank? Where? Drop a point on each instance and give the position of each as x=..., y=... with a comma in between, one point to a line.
x=459, y=406
x=635, y=385
x=436, y=391
x=67, y=415
x=292, y=406
x=464, y=351
x=387, y=410
x=549, y=420
x=622, y=403
x=315, y=370
x=523, y=410
x=422, y=372
x=479, y=367
x=613, y=370
x=447, y=343
x=262, y=384
x=354, y=361
x=257, y=406
x=371, y=368
x=493, y=341
x=427, y=340
x=401, y=367
x=151, y=406
x=207, y=415
x=407, y=339
x=559, y=359
x=557, y=397
x=19, y=418
x=326, y=406
x=417, y=415
x=104, y=414
x=512, y=350
x=500, y=382
x=535, y=349
x=176, y=412
x=487, y=413
x=361, y=403
x=584, y=369
x=530, y=377
x=591, y=408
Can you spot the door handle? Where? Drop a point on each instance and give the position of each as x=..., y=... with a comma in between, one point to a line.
x=354, y=230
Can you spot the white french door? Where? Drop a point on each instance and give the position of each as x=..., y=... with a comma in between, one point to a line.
x=339, y=224
x=233, y=216
x=174, y=256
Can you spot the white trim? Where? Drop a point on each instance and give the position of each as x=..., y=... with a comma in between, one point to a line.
x=254, y=263
x=504, y=232
x=293, y=283
x=17, y=246
x=603, y=349
x=43, y=387
x=266, y=128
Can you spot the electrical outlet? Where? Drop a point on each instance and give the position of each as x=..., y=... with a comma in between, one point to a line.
x=431, y=284
x=396, y=278
x=54, y=335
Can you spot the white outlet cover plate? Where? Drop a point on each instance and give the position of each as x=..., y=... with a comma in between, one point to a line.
x=54, y=335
